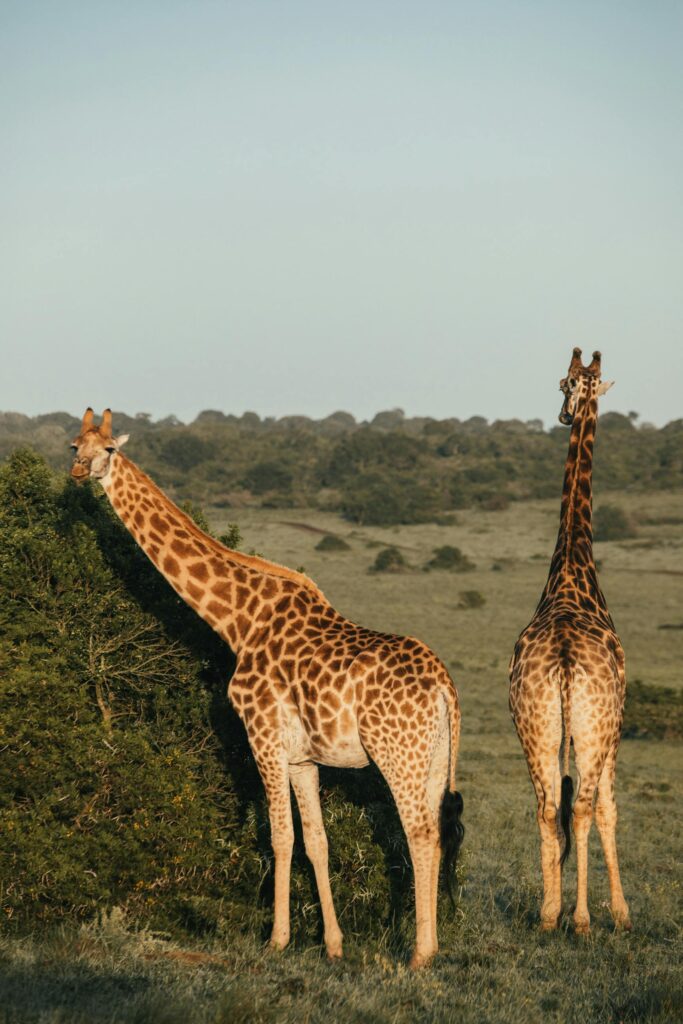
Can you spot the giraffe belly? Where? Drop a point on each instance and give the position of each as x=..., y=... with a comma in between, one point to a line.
x=335, y=739
x=337, y=751
x=345, y=754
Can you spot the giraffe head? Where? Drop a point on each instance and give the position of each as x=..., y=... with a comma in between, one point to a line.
x=94, y=447
x=580, y=385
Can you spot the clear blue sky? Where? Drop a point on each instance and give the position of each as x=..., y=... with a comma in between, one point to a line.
x=303, y=207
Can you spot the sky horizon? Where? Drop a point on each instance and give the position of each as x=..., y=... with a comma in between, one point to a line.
x=303, y=209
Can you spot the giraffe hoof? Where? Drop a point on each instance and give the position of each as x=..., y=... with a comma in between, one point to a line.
x=418, y=961
x=623, y=924
x=583, y=929
x=548, y=926
x=277, y=945
x=333, y=955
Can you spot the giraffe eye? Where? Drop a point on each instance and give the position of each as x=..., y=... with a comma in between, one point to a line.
x=110, y=449
x=73, y=447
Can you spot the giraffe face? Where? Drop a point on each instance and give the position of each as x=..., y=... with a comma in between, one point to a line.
x=94, y=448
x=581, y=384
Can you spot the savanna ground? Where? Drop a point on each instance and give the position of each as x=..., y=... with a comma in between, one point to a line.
x=494, y=965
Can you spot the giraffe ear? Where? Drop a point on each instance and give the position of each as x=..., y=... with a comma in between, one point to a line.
x=120, y=441
x=604, y=386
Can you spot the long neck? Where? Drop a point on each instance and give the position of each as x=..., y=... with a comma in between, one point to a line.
x=574, y=547
x=235, y=593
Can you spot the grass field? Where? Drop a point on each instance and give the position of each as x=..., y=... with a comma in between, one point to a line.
x=494, y=965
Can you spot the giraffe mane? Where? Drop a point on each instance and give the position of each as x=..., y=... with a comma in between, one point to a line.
x=249, y=561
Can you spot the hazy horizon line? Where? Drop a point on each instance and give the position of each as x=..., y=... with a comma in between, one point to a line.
x=156, y=419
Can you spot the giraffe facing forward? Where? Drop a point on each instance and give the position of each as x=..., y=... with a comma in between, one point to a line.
x=310, y=686
x=567, y=681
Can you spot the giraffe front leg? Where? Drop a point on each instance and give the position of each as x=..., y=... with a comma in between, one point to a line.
x=276, y=781
x=304, y=779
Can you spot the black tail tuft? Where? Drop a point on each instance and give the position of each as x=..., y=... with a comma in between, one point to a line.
x=566, y=814
x=452, y=834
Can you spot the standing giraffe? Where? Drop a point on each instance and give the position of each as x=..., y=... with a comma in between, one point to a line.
x=567, y=681
x=310, y=687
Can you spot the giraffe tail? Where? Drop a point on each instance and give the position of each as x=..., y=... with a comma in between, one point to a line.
x=567, y=789
x=567, y=793
x=451, y=828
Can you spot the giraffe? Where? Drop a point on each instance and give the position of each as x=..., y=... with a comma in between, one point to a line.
x=310, y=687
x=567, y=679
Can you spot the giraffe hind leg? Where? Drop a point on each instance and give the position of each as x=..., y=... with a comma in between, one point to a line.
x=606, y=820
x=546, y=783
x=304, y=779
x=589, y=764
x=409, y=790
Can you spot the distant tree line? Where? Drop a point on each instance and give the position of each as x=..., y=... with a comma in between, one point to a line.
x=393, y=469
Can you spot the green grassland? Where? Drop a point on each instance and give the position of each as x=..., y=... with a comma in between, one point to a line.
x=494, y=965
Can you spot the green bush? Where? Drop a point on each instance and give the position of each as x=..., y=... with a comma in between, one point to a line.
x=612, y=523
x=267, y=476
x=451, y=558
x=471, y=599
x=125, y=777
x=381, y=499
x=330, y=542
x=652, y=712
x=388, y=559
x=184, y=450
x=111, y=784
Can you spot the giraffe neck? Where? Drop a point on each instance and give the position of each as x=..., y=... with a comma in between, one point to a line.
x=236, y=594
x=573, y=555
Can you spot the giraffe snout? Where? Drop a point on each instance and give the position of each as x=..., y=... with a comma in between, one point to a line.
x=80, y=471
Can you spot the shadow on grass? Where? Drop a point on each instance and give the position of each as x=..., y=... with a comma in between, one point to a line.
x=45, y=992
x=518, y=909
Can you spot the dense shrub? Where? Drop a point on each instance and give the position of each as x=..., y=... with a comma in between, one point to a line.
x=331, y=542
x=376, y=500
x=267, y=476
x=184, y=450
x=451, y=558
x=389, y=559
x=471, y=599
x=612, y=523
x=111, y=783
x=652, y=712
x=125, y=777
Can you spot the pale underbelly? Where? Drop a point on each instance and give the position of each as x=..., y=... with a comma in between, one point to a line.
x=343, y=751
x=351, y=755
